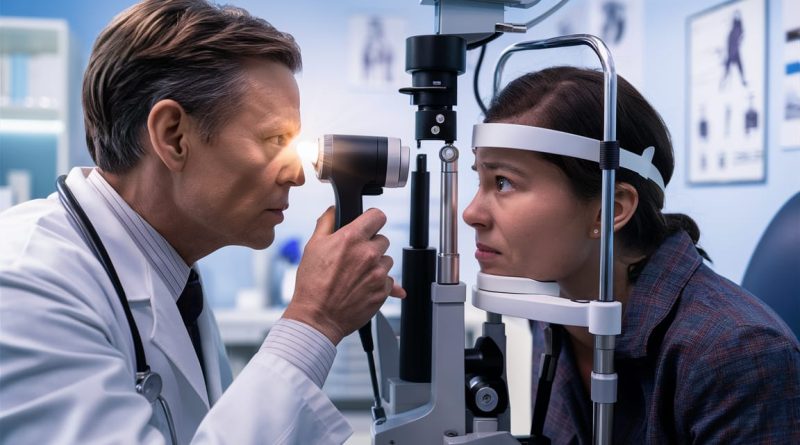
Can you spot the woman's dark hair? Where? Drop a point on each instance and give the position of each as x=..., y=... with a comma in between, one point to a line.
x=191, y=51
x=570, y=99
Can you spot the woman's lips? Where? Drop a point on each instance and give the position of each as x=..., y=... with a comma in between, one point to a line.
x=485, y=253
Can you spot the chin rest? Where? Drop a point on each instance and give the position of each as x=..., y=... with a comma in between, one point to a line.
x=516, y=285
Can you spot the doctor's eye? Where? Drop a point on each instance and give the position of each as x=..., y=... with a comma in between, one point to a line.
x=503, y=184
x=280, y=140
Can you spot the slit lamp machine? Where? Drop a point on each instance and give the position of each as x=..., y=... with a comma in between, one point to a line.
x=430, y=388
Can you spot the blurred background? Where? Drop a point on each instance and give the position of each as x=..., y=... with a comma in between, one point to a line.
x=677, y=53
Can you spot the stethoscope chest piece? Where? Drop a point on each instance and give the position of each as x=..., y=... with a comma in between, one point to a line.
x=149, y=385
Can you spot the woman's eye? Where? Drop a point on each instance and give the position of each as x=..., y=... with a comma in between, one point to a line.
x=502, y=183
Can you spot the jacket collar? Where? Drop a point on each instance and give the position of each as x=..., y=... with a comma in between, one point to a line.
x=141, y=283
x=656, y=292
x=162, y=256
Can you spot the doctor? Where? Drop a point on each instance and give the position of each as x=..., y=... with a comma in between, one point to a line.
x=189, y=110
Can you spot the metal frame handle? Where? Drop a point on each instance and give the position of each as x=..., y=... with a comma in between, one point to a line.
x=604, y=378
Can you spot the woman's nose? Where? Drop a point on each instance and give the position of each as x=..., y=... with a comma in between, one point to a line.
x=474, y=215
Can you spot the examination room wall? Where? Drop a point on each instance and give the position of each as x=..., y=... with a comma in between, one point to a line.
x=731, y=217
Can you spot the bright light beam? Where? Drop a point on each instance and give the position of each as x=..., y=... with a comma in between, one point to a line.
x=308, y=151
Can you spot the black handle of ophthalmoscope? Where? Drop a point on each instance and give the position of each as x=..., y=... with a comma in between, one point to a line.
x=348, y=210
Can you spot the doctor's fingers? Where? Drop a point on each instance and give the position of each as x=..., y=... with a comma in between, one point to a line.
x=376, y=278
x=325, y=223
x=380, y=243
x=366, y=226
x=394, y=289
x=367, y=255
x=385, y=263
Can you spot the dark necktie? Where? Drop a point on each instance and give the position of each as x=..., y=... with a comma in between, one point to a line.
x=190, y=305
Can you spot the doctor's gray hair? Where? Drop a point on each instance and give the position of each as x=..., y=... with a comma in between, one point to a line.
x=190, y=51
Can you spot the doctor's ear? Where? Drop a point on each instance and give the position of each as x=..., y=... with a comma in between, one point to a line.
x=168, y=127
x=626, y=201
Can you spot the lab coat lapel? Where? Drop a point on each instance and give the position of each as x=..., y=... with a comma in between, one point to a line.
x=170, y=336
x=217, y=366
x=141, y=283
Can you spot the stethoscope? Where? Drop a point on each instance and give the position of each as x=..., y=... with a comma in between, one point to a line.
x=148, y=383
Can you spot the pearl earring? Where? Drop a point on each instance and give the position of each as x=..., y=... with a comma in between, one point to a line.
x=595, y=231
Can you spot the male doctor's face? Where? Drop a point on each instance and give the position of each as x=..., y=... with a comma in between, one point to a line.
x=240, y=179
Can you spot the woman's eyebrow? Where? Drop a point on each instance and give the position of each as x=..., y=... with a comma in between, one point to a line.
x=500, y=165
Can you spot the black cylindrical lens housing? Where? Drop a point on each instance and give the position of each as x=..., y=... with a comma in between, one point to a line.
x=435, y=62
x=438, y=124
x=436, y=52
x=419, y=272
x=420, y=204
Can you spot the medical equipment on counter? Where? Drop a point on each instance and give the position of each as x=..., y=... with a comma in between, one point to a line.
x=148, y=383
x=283, y=271
x=357, y=166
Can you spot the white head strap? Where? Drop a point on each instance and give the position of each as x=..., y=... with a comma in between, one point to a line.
x=544, y=140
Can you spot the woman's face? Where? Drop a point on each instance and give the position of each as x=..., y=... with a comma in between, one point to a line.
x=527, y=221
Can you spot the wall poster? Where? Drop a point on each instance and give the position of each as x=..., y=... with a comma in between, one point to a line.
x=790, y=109
x=620, y=24
x=376, y=50
x=727, y=95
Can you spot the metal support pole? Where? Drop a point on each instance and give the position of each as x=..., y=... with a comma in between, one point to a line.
x=603, y=366
x=604, y=377
x=447, y=272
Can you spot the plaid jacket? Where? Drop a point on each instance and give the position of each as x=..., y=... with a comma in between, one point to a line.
x=700, y=360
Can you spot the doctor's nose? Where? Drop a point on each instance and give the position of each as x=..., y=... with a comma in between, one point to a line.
x=291, y=172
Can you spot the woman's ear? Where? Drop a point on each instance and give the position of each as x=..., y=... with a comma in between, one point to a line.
x=168, y=131
x=626, y=201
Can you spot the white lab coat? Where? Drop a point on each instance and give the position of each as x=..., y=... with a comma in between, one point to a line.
x=67, y=362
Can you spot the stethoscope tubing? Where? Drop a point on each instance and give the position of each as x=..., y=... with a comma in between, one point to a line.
x=96, y=244
x=148, y=383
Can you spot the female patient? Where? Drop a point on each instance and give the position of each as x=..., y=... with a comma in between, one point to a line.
x=700, y=360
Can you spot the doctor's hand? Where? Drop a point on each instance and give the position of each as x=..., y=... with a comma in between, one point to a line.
x=343, y=278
